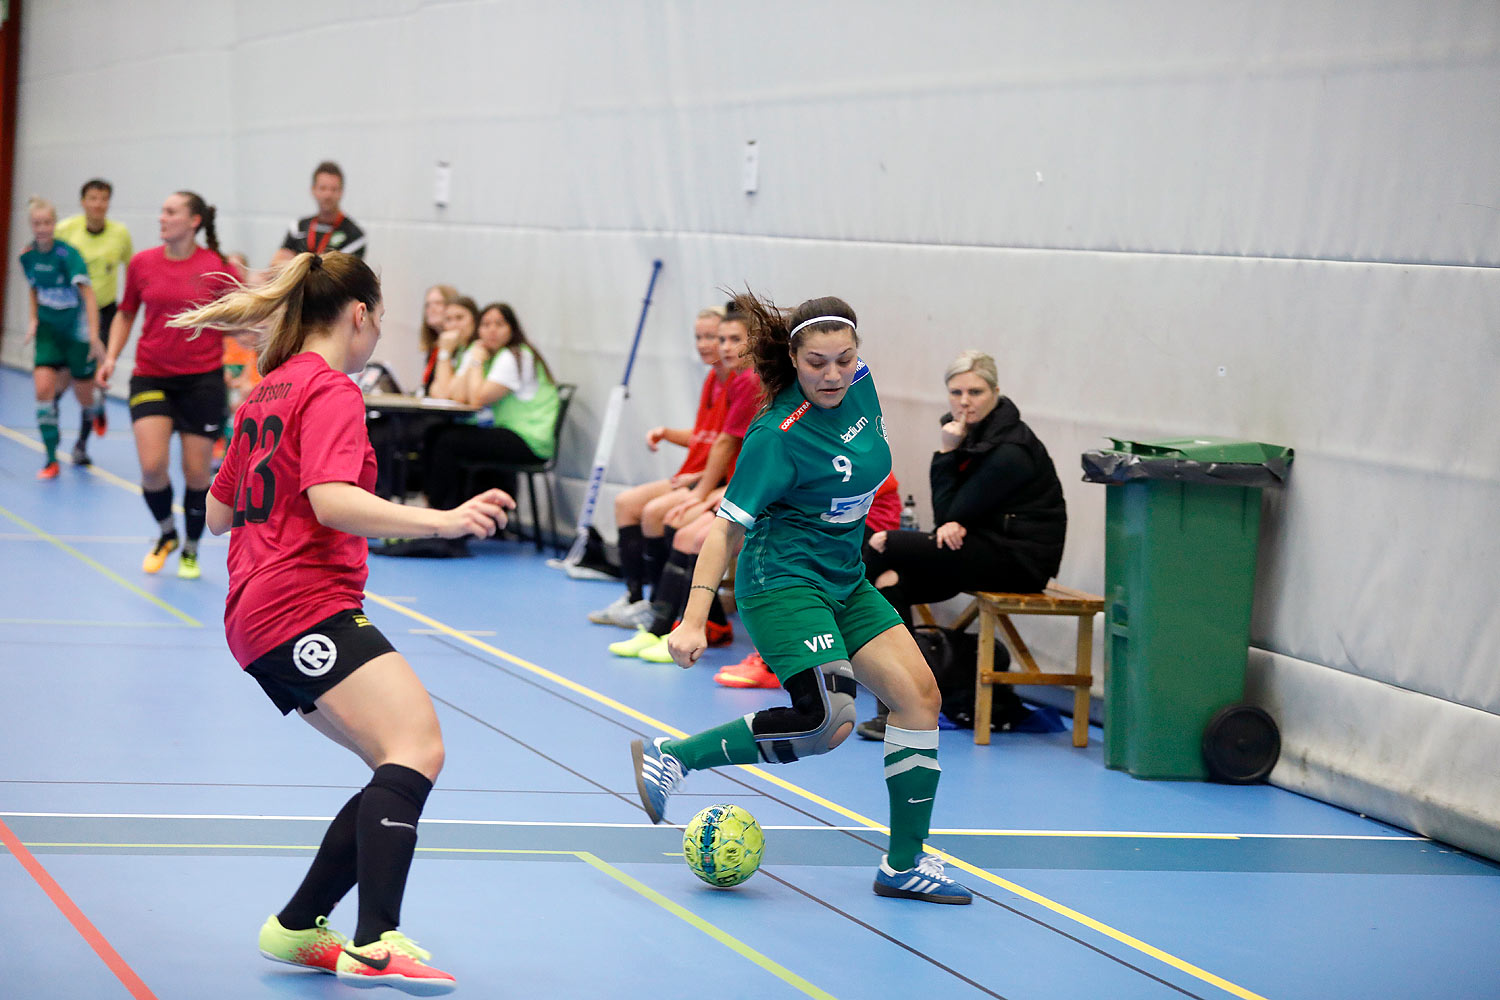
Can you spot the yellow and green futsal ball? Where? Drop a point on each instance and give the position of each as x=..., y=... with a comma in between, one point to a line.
x=723, y=845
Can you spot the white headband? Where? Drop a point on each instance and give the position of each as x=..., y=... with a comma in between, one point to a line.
x=823, y=319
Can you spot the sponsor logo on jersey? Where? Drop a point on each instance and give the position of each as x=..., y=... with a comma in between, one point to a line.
x=315, y=654
x=853, y=432
x=796, y=415
x=819, y=642
x=847, y=510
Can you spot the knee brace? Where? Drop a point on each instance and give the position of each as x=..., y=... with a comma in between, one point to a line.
x=822, y=703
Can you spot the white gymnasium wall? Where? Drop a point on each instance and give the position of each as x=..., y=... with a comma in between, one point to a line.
x=1117, y=200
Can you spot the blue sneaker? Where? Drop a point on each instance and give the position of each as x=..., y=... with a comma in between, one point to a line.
x=657, y=775
x=924, y=881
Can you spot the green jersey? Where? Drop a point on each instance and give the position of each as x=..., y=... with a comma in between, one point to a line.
x=803, y=483
x=56, y=275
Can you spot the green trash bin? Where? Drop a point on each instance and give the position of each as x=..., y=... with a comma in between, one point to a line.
x=1182, y=522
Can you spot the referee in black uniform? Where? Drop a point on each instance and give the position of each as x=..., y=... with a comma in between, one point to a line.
x=330, y=229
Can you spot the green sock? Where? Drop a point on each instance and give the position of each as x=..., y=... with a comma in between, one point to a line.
x=731, y=743
x=911, y=778
x=46, y=421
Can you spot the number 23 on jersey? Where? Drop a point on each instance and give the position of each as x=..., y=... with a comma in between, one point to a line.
x=262, y=442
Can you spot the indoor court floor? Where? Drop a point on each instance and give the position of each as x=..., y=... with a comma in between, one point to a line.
x=155, y=808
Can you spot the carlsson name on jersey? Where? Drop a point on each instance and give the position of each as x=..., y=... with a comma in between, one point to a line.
x=315, y=654
x=853, y=432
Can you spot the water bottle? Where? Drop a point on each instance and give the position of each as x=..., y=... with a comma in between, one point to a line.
x=909, y=514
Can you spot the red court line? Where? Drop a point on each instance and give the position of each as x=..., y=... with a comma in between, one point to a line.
x=81, y=924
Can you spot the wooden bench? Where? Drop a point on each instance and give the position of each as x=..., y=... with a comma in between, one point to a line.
x=994, y=610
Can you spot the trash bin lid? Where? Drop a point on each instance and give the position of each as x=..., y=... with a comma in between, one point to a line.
x=1218, y=460
x=1205, y=449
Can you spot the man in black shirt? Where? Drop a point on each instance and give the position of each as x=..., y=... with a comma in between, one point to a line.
x=330, y=229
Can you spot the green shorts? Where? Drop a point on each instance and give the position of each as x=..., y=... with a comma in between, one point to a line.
x=801, y=627
x=62, y=349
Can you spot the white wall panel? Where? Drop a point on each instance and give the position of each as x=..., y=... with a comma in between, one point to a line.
x=1116, y=199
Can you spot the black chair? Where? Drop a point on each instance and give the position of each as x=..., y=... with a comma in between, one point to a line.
x=546, y=469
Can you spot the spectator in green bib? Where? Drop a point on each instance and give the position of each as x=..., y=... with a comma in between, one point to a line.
x=64, y=322
x=502, y=372
x=106, y=249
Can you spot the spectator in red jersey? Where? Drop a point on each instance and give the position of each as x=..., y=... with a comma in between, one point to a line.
x=693, y=510
x=643, y=553
x=294, y=486
x=177, y=385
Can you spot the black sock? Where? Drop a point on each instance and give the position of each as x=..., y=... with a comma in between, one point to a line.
x=160, y=504
x=716, y=611
x=386, y=833
x=194, y=514
x=654, y=553
x=633, y=561
x=331, y=876
x=672, y=592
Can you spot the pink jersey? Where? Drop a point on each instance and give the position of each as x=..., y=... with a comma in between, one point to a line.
x=303, y=425
x=166, y=288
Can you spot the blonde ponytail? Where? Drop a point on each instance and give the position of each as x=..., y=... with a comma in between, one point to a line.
x=305, y=294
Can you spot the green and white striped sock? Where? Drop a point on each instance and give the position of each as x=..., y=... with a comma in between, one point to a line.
x=911, y=779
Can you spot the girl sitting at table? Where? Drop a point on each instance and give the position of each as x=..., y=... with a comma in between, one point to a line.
x=502, y=372
x=460, y=320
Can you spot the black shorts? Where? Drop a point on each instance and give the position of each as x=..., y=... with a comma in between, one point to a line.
x=196, y=403
x=296, y=673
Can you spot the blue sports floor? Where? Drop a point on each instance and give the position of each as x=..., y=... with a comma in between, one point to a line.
x=155, y=808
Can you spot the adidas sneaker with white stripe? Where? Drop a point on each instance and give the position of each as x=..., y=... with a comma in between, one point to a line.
x=924, y=881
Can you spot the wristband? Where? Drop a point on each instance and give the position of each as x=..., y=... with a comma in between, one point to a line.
x=703, y=586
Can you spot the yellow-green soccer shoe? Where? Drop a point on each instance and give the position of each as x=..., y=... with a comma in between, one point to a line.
x=317, y=947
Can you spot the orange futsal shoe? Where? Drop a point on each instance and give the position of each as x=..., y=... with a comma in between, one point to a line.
x=751, y=672
x=101, y=422
x=718, y=635
x=394, y=960
x=49, y=471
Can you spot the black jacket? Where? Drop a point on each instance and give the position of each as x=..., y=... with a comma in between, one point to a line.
x=1000, y=484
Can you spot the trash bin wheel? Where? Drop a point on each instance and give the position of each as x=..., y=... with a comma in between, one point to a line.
x=1240, y=745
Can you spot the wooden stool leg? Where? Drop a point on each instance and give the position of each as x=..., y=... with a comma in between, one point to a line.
x=1084, y=669
x=983, y=700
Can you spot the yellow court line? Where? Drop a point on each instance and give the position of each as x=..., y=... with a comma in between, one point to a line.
x=101, y=568
x=1062, y=910
x=93, y=470
x=720, y=935
x=727, y=940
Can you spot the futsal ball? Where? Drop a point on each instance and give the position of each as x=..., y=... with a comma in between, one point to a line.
x=723, y=845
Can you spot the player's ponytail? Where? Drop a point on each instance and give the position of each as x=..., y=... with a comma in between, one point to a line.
x=772, y=340
x=206, y=214
x=304, y=295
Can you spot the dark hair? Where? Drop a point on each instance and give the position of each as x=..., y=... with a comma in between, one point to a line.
x=307, y=293
x=328, y=167
x=96, y=184
x=206, y=212
x=771, y=342
x=517, y=337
